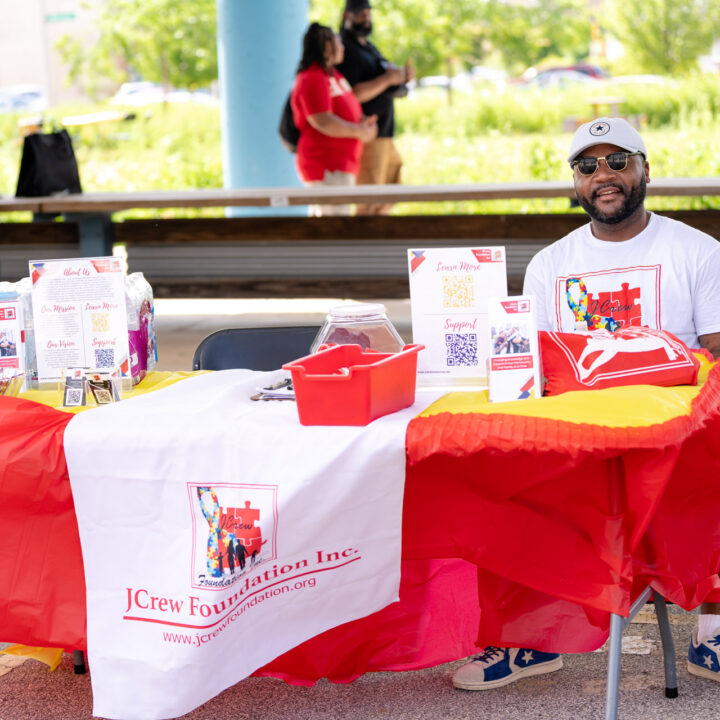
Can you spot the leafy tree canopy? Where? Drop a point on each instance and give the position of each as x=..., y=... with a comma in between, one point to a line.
x=164, y=41
x=664, y=36
x=431, y=34
x=526, y=33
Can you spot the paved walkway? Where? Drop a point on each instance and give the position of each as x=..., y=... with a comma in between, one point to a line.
x=577, y=692
x=29, y=691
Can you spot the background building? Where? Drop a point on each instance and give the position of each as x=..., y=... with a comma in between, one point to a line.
x=28, y=34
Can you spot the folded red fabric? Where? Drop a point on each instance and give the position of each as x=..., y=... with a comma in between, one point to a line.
x=601, y=359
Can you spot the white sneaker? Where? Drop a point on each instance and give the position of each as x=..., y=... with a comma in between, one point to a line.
x=704, y=657
x=495, y=667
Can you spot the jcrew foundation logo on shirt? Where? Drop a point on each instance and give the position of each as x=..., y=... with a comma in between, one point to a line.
x=234, y=529
x=605, y=310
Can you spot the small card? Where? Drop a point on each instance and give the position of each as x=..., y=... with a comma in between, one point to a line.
x=104, y=387
x=73, y=389
x=514, y=358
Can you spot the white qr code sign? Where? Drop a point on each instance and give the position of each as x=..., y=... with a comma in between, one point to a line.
x=449, y=291
x=79, y=315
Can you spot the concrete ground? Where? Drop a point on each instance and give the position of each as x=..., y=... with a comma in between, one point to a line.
x=29, y=691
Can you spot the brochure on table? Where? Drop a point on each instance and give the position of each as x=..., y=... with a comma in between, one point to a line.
x=79, y=315
x=514, y=363
x=12, y=339
x=449, y=293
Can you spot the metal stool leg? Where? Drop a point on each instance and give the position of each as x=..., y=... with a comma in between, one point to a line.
x=78, y=662
x=668, y=645
x=617, y=625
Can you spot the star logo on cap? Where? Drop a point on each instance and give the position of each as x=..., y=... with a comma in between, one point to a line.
x=600, y=128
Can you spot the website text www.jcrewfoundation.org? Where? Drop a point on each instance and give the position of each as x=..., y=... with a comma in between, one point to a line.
x=198, y=639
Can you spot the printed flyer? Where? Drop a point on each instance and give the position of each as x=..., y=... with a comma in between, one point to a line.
x=79, y=315
x=12, y=339
x=449, y=292
x=514, y=362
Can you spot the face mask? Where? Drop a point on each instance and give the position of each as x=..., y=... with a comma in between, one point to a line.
x=362, y=29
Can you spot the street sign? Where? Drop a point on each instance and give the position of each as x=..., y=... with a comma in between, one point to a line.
x=59, y=17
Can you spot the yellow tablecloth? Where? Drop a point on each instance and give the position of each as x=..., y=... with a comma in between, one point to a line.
x=153, y=381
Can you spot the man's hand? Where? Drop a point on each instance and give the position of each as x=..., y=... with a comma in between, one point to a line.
x=394, y=76
x=409, y=71
x=711, y=342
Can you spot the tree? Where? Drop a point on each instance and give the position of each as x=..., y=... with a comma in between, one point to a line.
x=432, y=34
x=664, y=36
x=162, y=41
x=526, y=33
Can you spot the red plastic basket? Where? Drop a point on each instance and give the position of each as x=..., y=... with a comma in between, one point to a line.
x=343, y=385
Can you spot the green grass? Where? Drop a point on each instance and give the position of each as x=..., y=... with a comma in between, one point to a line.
x=483, y=137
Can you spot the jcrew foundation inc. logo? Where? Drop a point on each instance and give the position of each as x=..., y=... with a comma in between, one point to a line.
x=234, y=530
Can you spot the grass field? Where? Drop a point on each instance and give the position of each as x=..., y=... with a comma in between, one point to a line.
x=482, y=137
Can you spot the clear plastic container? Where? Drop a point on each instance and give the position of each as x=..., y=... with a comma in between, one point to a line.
x=364, y=324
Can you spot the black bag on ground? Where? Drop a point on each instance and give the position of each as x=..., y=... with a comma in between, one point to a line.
x=289, y=134
x=48, y=165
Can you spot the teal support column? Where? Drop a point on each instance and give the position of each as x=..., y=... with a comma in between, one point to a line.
x=259, y=47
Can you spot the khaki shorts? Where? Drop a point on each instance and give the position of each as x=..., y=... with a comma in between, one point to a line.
x=379, y=165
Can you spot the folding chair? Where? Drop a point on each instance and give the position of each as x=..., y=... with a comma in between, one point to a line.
x=254, y=348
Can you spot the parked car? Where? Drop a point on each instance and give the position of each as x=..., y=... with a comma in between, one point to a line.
x=138, y=93
x=559, y=78
x=22, y=98
x=490, y=76
x=562, y=75
x=462, y=82
x=640, y=80
x=145, y=93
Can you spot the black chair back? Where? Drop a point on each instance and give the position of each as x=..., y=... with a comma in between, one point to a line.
x=254, y=348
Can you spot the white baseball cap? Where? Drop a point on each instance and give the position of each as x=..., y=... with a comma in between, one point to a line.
x=605, y=130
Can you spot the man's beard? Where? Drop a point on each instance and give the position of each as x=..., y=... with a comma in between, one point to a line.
x=362, y=29
x=633, y=201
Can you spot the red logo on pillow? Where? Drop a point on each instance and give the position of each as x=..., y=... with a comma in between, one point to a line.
x=628, y=356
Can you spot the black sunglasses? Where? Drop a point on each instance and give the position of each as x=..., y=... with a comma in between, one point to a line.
x=616, y=161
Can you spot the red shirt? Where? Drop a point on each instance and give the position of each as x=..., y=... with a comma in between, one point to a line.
x=314, y=92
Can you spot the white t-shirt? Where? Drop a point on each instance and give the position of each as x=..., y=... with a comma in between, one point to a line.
x=667, y=278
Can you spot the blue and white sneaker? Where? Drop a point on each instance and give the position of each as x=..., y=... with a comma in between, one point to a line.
x=704, y=657
x=495, y=667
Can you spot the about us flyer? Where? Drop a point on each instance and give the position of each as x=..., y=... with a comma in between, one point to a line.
x=79, y=315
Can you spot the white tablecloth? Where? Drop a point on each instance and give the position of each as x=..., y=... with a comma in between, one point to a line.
x=218, y=533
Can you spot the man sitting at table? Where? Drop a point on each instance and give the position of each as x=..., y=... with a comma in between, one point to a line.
x=633, y=268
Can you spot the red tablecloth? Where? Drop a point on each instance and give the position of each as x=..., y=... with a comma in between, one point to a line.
x=560, y=522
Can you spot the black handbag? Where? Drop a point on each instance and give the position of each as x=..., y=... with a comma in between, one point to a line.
x=48, y=165
x=289, y=134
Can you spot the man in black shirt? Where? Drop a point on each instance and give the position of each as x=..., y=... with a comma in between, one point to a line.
x=375, y=82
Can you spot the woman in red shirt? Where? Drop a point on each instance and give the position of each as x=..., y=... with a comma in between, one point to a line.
x=328, y=116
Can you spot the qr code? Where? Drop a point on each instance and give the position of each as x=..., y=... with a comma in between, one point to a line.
x=458, y=291
x=100, y=322
x=102, y=396
x=461, y=349
x=105, y=358
x=73, y=397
